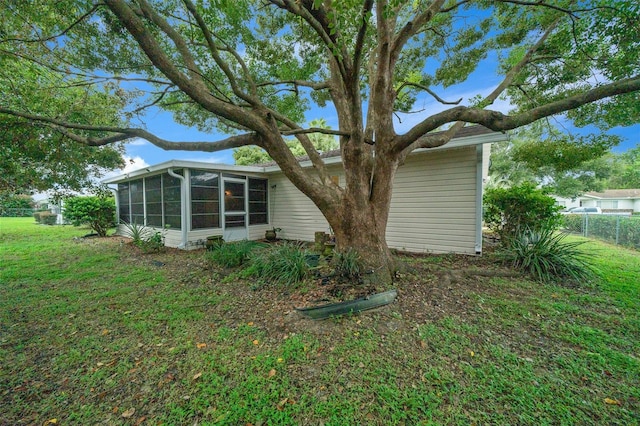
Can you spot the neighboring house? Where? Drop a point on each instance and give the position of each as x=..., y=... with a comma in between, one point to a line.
x=55, y=207
x=436, y=204
x=613, y=200
x=567, y=203
x=622, y=201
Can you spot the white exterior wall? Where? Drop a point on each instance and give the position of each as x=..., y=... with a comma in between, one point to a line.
x=433, y=208
x=625, y=204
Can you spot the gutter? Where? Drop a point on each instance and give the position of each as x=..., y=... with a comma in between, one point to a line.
x=183, y=206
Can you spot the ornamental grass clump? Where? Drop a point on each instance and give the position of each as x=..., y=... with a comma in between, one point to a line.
x=283, y=264
x=546, y=255
x=348, y=263
x=233, y=254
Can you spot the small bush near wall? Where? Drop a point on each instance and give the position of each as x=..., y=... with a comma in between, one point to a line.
x=507, y=211
x=47, y=218
x=97, y=212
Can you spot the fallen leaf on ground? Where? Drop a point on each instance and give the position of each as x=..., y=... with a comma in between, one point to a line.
x=105, y=332
x=256, y=342
x=272, y=372
x=197, y=376
x=51, y=422
x=128, y=413
x=611, y=401
x=250, y=323
x=201, y=345
x=140, y=420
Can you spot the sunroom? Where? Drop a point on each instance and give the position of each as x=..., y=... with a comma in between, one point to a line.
x=190, y=201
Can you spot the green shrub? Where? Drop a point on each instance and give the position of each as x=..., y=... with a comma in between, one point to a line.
x=97, y=212
x=15, y=205
x=47, y=218
x=233, y=254
x=284, y=264
x=348, y=263
x=507, y=210
x=546, y=256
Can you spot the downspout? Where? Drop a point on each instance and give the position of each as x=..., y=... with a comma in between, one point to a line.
x=183, y=206
x=479, y=187
x=117, y=199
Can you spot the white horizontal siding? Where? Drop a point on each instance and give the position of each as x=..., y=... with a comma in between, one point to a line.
x=433, y=207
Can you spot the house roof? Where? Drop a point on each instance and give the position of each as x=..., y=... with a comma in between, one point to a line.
x=614, y=194
x=467, y=136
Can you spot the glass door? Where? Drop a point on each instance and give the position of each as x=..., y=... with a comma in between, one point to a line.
x=235, y=210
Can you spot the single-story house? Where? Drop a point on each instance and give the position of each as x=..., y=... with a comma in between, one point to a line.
x=614, y=201
x=436, y=205
x=621, y=200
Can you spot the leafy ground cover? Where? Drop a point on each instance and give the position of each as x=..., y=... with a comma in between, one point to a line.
x=93, y=331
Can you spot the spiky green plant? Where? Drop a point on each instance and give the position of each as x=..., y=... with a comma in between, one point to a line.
x=546, y=255
x=283, y=264
x=137, y=232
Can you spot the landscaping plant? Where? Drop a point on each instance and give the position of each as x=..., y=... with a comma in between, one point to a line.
x=547, y=256
x=233, y=254
x=348, y=263
x=97, y=212
x=284, y=264
x=509, y=210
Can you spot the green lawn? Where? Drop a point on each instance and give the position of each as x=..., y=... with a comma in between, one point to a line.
x=92, y=331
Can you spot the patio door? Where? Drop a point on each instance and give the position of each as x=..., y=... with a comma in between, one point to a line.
x=234, y=209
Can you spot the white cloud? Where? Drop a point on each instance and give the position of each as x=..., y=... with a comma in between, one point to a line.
x=137, y=142
x=132, y=164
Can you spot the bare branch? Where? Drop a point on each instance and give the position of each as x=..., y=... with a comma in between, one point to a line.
x=429, y=91
x=498, y=121
x=413, y=27
x=122, y=134
x=311, y=84
x=314, y=130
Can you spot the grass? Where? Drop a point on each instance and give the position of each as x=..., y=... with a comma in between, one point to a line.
x=91, y=331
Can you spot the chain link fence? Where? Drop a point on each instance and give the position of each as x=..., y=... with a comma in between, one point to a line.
x=617, y=229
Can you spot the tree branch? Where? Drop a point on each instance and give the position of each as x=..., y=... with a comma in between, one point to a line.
x=429, y=91
x=253, y=100
x=413, y=27
x=122, y=134
x=497, y=121
x=362, y=32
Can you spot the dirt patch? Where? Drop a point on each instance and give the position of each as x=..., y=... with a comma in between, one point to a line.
x=429, y=288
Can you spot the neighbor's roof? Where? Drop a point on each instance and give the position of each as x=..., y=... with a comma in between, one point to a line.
x=615, y=193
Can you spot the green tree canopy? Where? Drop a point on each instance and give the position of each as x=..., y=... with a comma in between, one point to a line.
x=246, y=155
x=565, y=165
x=626, y=170
x=35, y=156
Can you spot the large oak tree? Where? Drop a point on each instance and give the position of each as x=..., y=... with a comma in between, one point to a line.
x=252, y=68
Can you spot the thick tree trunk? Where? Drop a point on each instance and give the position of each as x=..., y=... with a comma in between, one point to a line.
x=360, y=220
x=359, y=230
